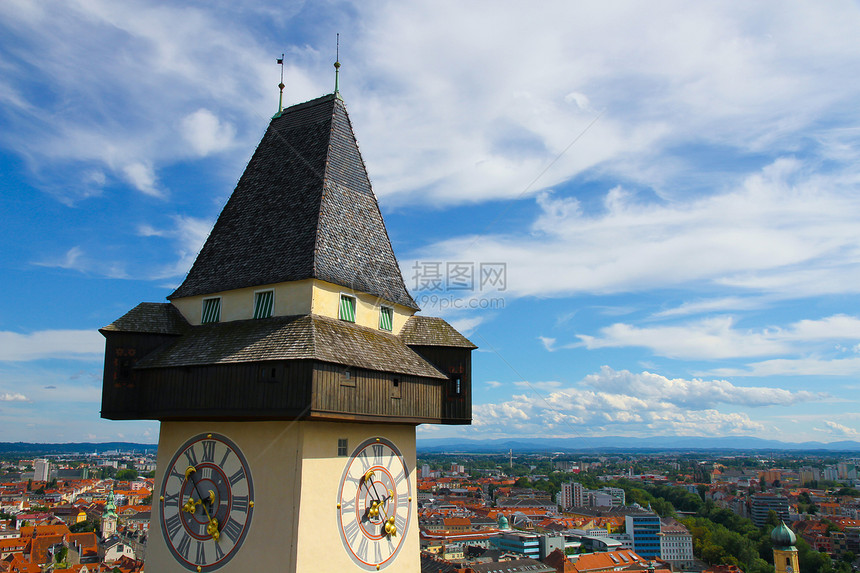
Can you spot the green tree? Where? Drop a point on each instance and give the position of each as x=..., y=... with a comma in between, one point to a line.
x=126, y=475
x=772, y=519
x=60, y=555
x=84, y=526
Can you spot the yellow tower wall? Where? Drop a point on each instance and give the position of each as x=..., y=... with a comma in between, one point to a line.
x=786, y=561
x=295, y=298
x=291, y=298
x=326, y=302
x=296, y=474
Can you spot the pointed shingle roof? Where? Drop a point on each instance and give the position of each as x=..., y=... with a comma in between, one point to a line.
x=303, y=208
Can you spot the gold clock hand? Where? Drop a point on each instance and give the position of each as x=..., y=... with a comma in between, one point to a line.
x=212, y=527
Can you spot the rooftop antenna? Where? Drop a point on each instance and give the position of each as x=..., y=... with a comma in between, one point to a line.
x=337, y=64
x=281, y=86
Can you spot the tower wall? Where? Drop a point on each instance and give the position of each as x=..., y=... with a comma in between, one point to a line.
x=296, y=471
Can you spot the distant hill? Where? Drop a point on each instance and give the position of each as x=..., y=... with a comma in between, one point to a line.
x=73, y=448
x=622, y=443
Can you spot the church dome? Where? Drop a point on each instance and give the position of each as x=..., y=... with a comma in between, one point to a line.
x=782, y=536
x=503, y=522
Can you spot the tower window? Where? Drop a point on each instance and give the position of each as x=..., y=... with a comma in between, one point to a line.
x=342, y=444
x=347, y=308
x=211, y=310
x=264, y=303
x=455, y=386
x=386, y=318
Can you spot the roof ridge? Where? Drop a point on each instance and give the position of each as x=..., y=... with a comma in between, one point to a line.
x=324, y=191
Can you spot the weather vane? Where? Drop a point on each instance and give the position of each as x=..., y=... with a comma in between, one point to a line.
x=337, y=63
x=281, y=85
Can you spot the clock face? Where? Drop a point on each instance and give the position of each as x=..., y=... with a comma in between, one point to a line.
x=207, y=500
x=374, y=504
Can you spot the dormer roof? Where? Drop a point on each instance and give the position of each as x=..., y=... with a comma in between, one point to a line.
x=304, y=208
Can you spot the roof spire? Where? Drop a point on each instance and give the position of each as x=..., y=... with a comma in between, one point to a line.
x=337, y=64
x=281, y=86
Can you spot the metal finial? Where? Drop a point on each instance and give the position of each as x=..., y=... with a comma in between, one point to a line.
x=281, y=86
x=337, y=63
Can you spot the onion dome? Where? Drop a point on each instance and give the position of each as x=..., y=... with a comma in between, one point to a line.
x=782, y=536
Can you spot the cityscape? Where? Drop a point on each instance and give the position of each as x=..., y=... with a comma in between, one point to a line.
x=582, y=300
x=673, y=511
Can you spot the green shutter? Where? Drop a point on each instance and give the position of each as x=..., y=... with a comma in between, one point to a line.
x=385, y=318
x=347, y=308
x=211, y=310
x=264, y=302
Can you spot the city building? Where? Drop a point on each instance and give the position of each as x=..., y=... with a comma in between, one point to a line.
x=763, y=503
x=42, y=470
x=570, y=495
x=618, y=496
x=644, y=531
x=676, y=544
x=527, y=544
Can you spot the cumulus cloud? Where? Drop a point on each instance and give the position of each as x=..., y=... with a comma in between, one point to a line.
x=206, y=133
x=65, y=344
x=694, y=393
x=622, y=402
x=838, y=430
x=12, y=397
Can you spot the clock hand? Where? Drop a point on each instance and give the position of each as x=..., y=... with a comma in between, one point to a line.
x=212, y=527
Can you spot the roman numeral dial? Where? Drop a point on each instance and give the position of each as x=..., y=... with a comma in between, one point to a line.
x=206, y=502
x=374, y=504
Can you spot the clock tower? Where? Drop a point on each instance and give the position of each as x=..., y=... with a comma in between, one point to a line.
x=289, y=372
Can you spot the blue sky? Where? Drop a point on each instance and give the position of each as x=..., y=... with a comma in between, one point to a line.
x=672, y=188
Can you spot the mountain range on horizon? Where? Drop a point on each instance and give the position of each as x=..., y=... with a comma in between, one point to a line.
x=503, y=445
x=625, y=443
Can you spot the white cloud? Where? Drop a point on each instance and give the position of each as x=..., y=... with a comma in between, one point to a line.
x=717, y=337
x=206, y=133
x=694, y=393
x=710, y=338
x=467, y=325
x=703, y=74
x=188, y=234
x=70, y=260
x=142, y=176
x=12, y=397
x=811, y=366
x=132, y=77
x=625, y=403
x=64, y=344
x=712, y=305
x=839, y=430
x=779, y=233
